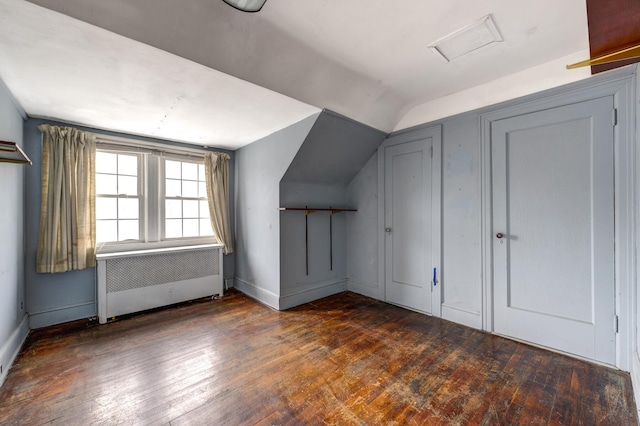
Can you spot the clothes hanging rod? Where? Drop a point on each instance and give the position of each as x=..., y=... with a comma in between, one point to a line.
x=10, y=152
x=313, y=209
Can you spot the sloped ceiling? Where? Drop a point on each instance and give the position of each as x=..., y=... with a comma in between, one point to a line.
x=62, y=68
x=365, y=59
x=344, y=146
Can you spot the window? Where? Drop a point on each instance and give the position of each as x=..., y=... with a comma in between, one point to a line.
x=117, y=197
x=148, y=199
x=186, y=206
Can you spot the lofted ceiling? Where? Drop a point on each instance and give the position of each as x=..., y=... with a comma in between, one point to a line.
x=199, y=71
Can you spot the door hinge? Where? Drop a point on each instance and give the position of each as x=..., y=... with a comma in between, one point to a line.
x=431, y=149
x=616, y=324
x=614, y=116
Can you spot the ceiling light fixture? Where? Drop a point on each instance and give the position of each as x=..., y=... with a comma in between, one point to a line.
x=467, y=39
x=246, y=5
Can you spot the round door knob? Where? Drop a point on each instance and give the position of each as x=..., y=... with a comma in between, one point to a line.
x=499, y=235
x=387, y=229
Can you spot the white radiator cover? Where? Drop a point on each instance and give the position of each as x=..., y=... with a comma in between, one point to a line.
x=135, y=281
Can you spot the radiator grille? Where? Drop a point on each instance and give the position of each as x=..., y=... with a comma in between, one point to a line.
x=127, y=273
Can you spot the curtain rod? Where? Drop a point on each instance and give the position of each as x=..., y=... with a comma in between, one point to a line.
x=151, y=146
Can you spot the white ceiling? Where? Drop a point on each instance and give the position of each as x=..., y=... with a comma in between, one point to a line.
x=159, y=72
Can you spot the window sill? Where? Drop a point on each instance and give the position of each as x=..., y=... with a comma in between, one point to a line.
x=123, y=252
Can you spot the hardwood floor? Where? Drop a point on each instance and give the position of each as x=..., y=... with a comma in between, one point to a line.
x=346, y=359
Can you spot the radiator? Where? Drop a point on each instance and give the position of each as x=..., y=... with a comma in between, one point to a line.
x=146, y=279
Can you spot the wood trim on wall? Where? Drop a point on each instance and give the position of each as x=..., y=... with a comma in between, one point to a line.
x=613, y=25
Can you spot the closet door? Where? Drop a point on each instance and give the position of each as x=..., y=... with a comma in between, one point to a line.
x=553, y=228
x=409, y=259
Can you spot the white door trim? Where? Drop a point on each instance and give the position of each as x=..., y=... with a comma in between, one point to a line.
x=621, y=87
x=434, y=132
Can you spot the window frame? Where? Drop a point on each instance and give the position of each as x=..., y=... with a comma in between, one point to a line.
x=163, y=194
x=141, y=190
x=151, y=187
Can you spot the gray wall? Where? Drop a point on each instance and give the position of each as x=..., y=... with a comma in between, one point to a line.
x=260, y=167
x=362, y=232
x=296, y=286
x=12, y=284
x=68, y=296
x=333, y=153
x=462, y=263
x=461, y=270
x=461, y=220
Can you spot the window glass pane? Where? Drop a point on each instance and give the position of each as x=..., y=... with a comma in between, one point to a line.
x=172, y=169
x=128, y=165
x=106, y=230
x=202, y=190
x=127, y=185
x=173, y=209
x=128, y=208
x=204, y=209
x=191, y=227
x=106, y=162
x=173, y=188
x=106, y=208
x=190, y=171
x=173, y=228
x=106, y=184
x=201, y=172
x=128, y=230
x=205, y=227
x=189, y=189
x=190, y=208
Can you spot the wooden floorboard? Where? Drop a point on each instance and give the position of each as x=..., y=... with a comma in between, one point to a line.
x=346, y=359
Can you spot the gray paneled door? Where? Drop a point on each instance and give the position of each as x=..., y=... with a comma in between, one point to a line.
x=408, y=221
x=553, y=228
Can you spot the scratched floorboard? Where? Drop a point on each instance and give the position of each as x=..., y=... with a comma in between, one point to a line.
x=346, y=359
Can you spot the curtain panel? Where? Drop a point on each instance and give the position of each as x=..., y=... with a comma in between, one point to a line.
x=67, y=238
x=216, y=165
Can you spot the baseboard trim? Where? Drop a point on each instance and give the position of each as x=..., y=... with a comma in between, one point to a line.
x=12, y=347
x=306, y=296
x=635, y=379
x=462, y=316
x=366, y=289
x=61, y=315
x=253, y=291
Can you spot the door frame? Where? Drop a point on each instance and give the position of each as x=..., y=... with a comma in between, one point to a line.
x=434, y=132
x=621, y=86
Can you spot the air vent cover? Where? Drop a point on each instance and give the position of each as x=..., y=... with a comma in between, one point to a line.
x=467, y=39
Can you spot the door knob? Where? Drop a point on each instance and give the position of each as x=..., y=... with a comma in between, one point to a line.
x=387, y=229
x=499, y=235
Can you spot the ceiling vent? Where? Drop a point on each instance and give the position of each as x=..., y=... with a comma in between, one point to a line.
x=467, y=39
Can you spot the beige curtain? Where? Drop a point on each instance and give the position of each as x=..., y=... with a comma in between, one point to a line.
x=67, y=238
x=216, y=166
